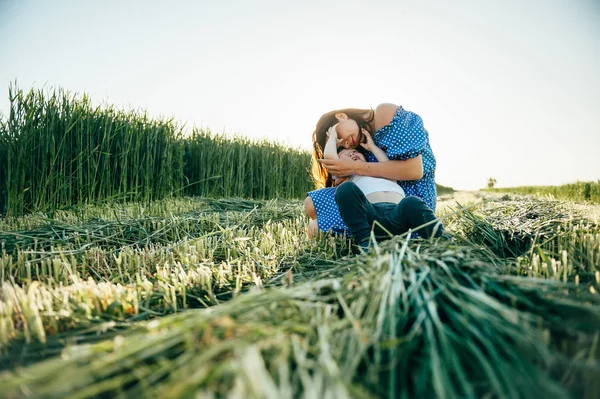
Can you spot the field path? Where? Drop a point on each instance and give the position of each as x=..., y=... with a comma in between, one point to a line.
x=464, y=198
x=447, y=202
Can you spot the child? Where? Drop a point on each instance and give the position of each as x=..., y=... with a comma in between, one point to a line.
x=374, y=199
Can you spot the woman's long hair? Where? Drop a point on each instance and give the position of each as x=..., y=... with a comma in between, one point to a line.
x=361, y=116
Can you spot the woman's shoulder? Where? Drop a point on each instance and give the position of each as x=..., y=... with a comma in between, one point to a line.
x=384, y=114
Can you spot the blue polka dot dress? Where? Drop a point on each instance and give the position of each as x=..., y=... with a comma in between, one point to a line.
x=403, y=138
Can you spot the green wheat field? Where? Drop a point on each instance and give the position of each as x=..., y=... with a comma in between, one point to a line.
x=138, y=260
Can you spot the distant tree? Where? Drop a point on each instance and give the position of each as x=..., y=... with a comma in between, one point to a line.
x=491, y=182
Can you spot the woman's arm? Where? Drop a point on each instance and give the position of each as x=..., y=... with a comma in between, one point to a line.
x=410, y=169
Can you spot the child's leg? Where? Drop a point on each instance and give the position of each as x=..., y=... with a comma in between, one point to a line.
x=413, y=212
x=356, y=211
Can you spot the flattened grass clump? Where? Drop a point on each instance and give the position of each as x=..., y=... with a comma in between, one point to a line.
x=547, y=238
x=404, y=321
x=73, y=277
x=122, y=231
x=299, y=318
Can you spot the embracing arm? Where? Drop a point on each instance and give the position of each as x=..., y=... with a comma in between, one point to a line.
x=410, y=169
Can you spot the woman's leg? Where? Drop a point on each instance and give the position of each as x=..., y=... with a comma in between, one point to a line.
x=313, y=229
x=411, y=213
x=313, y=225
x=309, y=208
x=356, y=211
x=321, y=205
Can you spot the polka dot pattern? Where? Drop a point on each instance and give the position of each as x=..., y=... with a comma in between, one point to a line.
x=328, y=214
x=403, y=138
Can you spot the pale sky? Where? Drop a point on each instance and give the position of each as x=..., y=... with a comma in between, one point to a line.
x=508, y=89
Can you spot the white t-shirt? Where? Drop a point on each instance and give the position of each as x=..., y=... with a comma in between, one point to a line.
x=369, y=184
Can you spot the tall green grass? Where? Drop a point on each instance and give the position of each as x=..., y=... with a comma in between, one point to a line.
x=4, y=140
x=57, y=150
x=240, y=167
x=579, y=191
x=60, y=150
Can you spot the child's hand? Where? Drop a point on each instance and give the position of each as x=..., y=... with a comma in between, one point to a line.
x=333, y=133
x=332, y=130
x=369, y=145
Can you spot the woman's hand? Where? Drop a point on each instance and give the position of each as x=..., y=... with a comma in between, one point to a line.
x=339, y=167
x=369, y=144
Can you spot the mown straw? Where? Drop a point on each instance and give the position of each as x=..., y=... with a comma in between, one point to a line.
x=404, y=321
x=206, y=259
x=121, y=231
x=291, y=317
x=547, y=238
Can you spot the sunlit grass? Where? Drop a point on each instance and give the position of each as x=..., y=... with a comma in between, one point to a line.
x=579, y=191
x=478, y=316
x=58, y=150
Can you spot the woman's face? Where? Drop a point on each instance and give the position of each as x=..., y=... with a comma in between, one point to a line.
x=348, y=132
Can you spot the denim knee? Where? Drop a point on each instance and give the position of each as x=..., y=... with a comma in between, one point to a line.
x=418, y=213
x=345, y=191
x=411, y=204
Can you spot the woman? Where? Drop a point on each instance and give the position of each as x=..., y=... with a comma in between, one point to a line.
x=398, y=132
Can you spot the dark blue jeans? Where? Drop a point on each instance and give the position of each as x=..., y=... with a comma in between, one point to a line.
x=359, y=215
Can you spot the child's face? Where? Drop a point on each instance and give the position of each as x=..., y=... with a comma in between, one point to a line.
x=352, y=155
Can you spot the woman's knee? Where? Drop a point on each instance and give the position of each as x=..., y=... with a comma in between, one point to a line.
x=309, y=208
